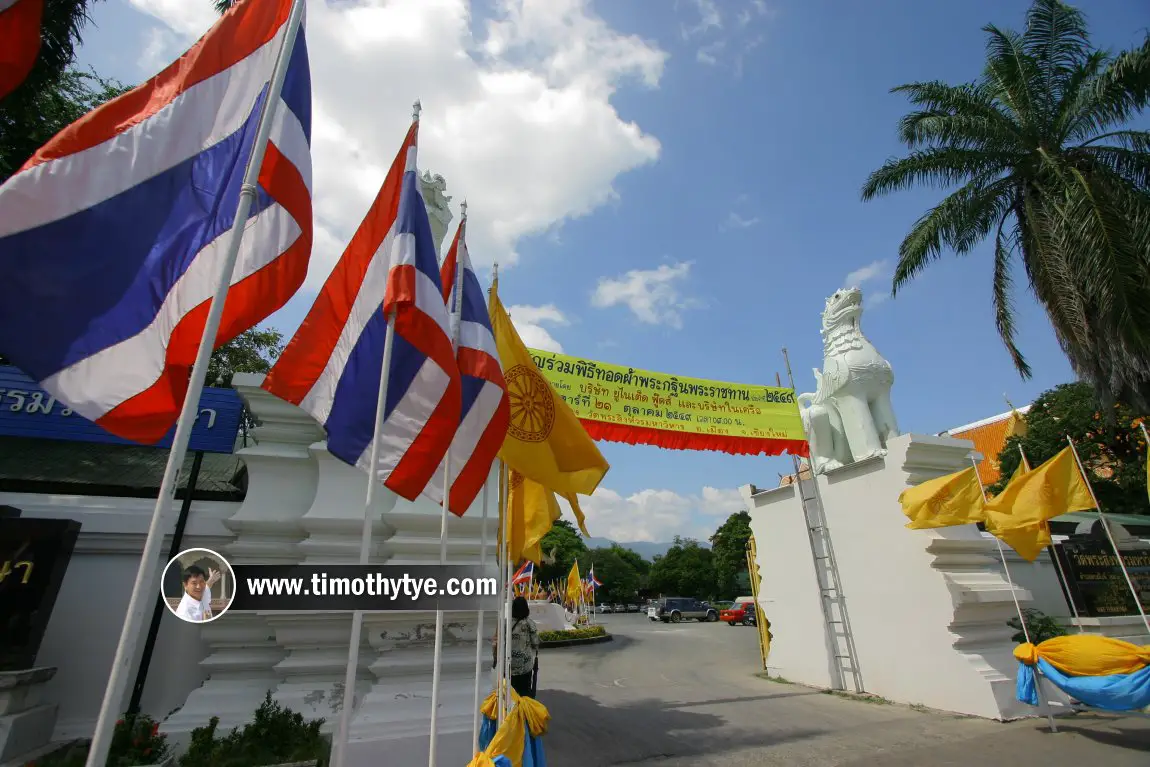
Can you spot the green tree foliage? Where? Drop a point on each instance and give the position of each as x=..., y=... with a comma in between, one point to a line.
x=729, y=546
x=1111, y=447
x=30, y=117
x=252, y=351
x=621, y=581
x=568, y=546
x=1044, y=166
x=686, y=570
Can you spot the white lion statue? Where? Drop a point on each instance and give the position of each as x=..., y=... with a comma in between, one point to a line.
x=849, y=417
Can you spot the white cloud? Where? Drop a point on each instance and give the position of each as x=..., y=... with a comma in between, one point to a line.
x=721, y=44
x=735, y=221
x=875, y=271
x=709, y=18
x=517, y=108
x=657, y=515
x=529, y=322
x=652, y=295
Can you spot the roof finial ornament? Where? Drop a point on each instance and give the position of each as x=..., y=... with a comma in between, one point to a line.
x=416, y=108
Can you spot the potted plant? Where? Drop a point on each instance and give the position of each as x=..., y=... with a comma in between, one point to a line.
x=276, y=737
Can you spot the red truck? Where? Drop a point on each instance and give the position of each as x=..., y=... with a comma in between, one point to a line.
x=740, y=613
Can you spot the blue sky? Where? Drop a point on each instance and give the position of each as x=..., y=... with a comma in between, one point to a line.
x=668, y=185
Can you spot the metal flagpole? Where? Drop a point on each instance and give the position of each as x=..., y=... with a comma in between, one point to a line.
x=339, y=748
x=436, y=672
x=126, y=648
x=509, y=570
x=479, y=626
x=1110, y=535
x=505, y=578
x=1017, y=605
x=1054, y=556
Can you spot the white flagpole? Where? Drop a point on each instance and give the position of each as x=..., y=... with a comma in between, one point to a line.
x=1054, y=556
x=126, y=647
x=505, y=578
x=509, y=568
x=437, y=661
x=1110, y=536
x=479, y=626
x=1017, y=606
x=339, y=746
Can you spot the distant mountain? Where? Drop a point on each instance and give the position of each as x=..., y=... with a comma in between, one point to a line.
x=646, y=549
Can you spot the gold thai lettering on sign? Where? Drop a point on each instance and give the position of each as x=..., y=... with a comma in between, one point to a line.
x=598, y=391
x=21, y=569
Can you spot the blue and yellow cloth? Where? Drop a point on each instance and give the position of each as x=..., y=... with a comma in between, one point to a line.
x=1100, y=671
x=519, y=741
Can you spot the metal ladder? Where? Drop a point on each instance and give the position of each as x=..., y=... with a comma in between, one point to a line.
x=840, y=638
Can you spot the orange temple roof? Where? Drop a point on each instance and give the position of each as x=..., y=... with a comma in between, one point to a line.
x=989, y=437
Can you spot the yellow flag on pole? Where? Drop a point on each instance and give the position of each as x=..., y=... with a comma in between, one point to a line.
x=955, y=499
x=573, y=584
x=545, y=441
x=1050, y=490
x=533, y=510
x=1028, y=540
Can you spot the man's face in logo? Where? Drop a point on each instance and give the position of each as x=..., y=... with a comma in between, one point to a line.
x=194, y=586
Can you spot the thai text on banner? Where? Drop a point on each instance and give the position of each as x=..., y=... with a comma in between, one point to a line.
x=623, y=404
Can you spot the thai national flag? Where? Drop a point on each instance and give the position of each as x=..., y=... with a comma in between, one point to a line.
x=524, y=574
x=486, y=410
x=331, y=368
x=595, y=582
x=20, y=30
x=113, y=233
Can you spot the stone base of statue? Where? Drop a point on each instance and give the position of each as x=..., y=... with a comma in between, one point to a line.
x=927, y=609
x=26, y=723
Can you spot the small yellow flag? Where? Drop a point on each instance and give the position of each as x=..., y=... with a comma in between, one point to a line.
x=1050, y=490
x=574, y=590
x=1028, y=540
x=955, y=499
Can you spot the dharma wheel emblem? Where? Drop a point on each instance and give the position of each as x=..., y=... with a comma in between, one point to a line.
x=532, y=404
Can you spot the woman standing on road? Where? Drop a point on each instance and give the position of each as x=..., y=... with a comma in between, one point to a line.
x=524, y=649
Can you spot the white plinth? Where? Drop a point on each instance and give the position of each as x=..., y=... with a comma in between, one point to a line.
x=26, y=723
x=928, y=608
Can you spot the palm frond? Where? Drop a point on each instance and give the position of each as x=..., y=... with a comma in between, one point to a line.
x=939, y=167
x=1013, y=76
x=222, y=6
x=1002, y=293
x=962, y=220
x=1077, y=97
x=956, y=130
x=968, y=99
x=1116, y=95
x=1057, y=39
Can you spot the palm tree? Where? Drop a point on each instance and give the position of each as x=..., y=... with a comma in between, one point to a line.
x=1048, y=170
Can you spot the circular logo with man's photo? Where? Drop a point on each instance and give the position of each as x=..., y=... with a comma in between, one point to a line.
x=198, y=585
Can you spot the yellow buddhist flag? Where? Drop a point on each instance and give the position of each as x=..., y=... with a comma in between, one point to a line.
x=545, y=441
x=573, y=583
x=955, y=499
x=1028, y=540
x=1054, y=488
x=533, y=510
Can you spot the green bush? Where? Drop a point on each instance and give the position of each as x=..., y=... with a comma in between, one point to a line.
x=277, y=735
x=1040, y=625
x=136, y=740
x=587, y=632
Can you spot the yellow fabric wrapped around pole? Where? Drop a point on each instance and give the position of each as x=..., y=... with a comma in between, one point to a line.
x=1086, y=655
x=527, y=715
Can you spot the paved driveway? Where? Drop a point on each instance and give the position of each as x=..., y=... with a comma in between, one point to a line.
x=687, y=694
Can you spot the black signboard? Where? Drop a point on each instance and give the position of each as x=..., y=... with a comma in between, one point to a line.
x=1095, y=586
x=34, y=555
